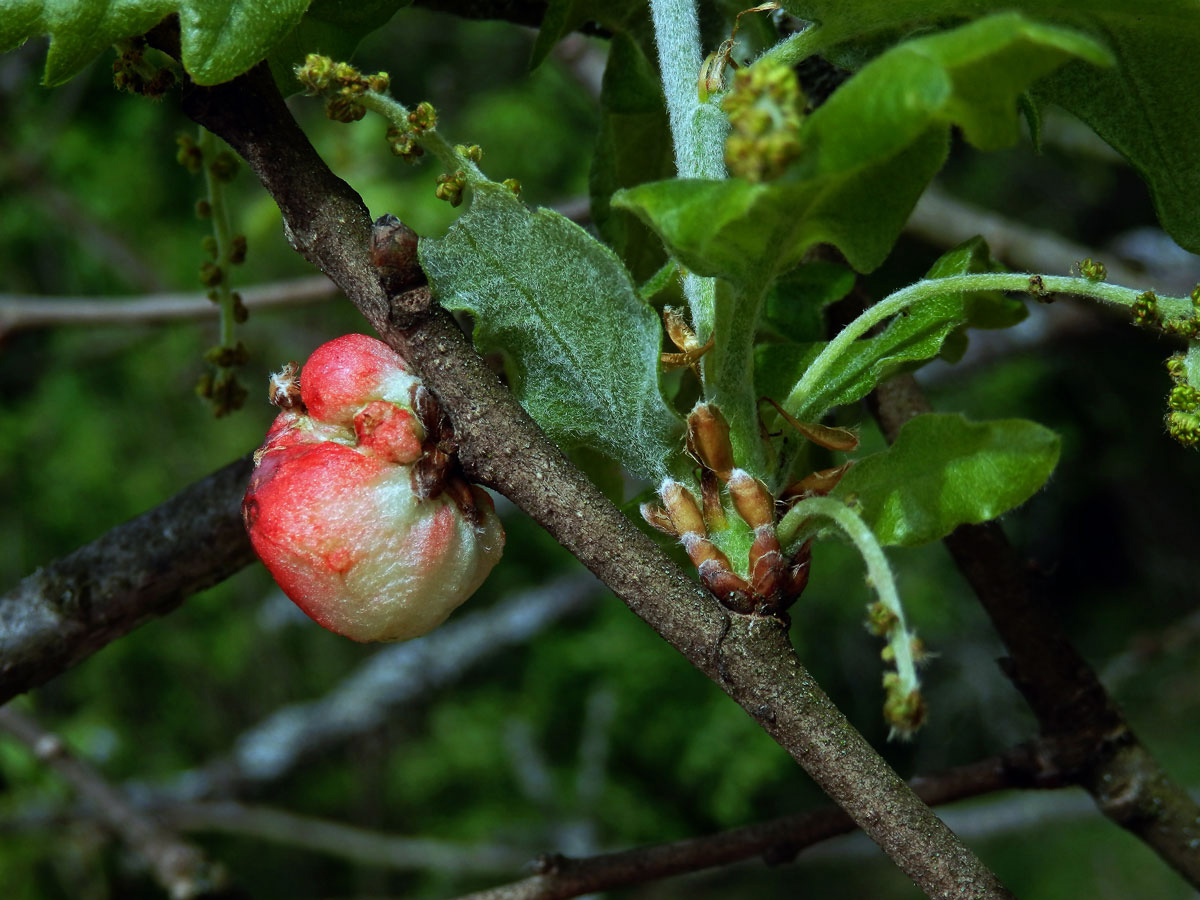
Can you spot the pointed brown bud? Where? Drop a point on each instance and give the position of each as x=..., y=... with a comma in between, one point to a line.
x=681, y=506
x=727, y=587
x=708, y=439
x=823, y=435
x=678, y=329
x=751, y=499
x=394, y=255
x=657, y=517
x=767, y=568
x=798, y=571
x=701, y=550
x=818, y=484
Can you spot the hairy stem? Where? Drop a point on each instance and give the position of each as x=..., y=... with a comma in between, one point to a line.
x=431, y=139
x=697, y=129
x=222, y=233
x=1107, y=294
x=879, y=574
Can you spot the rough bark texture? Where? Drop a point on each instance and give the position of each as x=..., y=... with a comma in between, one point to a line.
x=145, y=568
x=500, y=446
x=1061, y=688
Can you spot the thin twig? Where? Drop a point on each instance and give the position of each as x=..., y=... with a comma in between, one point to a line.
x=360, y=845
x=20, y=312
x=326, y=221
x=179, y=867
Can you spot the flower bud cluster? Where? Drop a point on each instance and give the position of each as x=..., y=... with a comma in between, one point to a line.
x=765, y=108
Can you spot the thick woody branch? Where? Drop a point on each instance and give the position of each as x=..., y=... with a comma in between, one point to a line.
x=500, y=446
x=179, y=867
x=1070, y=703
x=137, y=571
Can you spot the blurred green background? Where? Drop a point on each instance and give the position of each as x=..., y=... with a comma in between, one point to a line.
x=592, y=734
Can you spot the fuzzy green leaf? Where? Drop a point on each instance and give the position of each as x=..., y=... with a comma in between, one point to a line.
x=584, y=346
x=1144, y=105
x=869, y=152
x=944, y=471
x=220, y=39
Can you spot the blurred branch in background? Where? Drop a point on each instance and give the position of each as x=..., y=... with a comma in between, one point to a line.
x=776, y=841
x=360, y=845
x=180, y=868
x=370, y=696
x=22, y=311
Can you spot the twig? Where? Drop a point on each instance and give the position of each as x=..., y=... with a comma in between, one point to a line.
x=25, y=311
x=139, y=570
x=361, y=845
x=776, y=841
x=1126, y=782
x=326, y=221
x=180, y=868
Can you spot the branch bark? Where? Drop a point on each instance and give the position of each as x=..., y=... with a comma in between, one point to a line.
x=137, y=571
x=1109, y=761
x=752, y=660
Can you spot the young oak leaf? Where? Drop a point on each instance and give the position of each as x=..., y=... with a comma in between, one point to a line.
x=584, y=346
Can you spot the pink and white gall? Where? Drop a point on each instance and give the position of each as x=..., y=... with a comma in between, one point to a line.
x=333, y=512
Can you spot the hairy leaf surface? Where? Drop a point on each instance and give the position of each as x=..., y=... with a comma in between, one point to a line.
x=944, y=471
x=220, y=39
x=584, y=346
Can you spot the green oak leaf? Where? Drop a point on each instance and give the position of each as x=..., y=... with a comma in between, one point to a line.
x=633, y=146
x=796, y=301
x=870, y=151
x=1144, y=105
x=944, y=471
x=584, y=346
x=220, y=39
